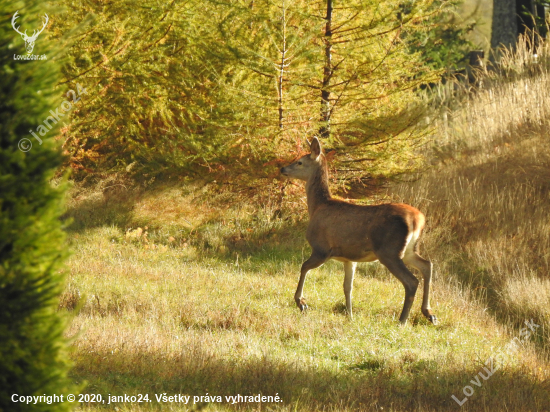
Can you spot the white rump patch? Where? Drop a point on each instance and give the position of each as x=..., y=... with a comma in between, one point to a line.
x=409, y=244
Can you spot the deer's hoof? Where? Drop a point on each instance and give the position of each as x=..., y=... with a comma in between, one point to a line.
x=430, y=316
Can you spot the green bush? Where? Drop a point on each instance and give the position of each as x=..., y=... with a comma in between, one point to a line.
x=33, y=358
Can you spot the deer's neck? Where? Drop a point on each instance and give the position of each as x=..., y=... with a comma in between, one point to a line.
x=317, y=190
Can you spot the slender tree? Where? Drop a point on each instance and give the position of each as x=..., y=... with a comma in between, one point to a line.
x=283, y=64
x=324, y=130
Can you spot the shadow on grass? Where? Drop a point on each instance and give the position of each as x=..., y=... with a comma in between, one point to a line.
x=114, y=208
x=369, y=385
x=220, y=233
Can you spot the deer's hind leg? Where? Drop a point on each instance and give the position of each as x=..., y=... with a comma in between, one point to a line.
x=396, y=266
x=425, y=267
x=316, y=259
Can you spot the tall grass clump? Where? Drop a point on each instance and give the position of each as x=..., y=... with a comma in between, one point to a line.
x=487, y=194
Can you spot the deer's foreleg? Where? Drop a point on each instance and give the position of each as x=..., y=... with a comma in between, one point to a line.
x=349, y=269
x=315, y=260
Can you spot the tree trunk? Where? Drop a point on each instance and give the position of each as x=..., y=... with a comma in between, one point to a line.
x=283, y=64
x=324, y=129
x=505, y=24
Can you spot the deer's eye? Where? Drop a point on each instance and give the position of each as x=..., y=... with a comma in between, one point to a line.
x=299, y=163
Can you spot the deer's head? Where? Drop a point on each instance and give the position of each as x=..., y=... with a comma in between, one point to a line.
x=306, y=166
x=29, y=40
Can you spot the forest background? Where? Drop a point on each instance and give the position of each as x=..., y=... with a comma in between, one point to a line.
x=186, y=242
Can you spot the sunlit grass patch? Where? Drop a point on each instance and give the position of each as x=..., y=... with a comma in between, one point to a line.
x=155, y=320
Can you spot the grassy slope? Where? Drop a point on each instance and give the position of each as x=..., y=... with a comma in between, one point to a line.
x=161, y=315
x=200, y=299
x=159, y=321
x=488, y=197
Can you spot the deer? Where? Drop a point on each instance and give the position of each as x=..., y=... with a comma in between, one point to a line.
x=29, y=40
x=352, y=233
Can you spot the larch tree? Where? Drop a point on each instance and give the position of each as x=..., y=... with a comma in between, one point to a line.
x=232, y=88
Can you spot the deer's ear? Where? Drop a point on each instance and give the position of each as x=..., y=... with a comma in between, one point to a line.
x=315, y=148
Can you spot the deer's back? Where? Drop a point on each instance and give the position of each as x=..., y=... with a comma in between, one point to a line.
x=356, y=232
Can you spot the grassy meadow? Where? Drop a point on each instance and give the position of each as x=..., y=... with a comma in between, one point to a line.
x=173, y=290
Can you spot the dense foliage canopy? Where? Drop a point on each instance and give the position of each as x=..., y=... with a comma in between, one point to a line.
x=232, y=89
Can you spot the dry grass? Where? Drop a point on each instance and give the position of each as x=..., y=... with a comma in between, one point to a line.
x=154, y=321
x=173, y=293
x=487, y=195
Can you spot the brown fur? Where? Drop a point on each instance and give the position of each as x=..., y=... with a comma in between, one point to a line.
x=354, y=233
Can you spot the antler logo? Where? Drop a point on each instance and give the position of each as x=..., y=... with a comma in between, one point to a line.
x=29, y=40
